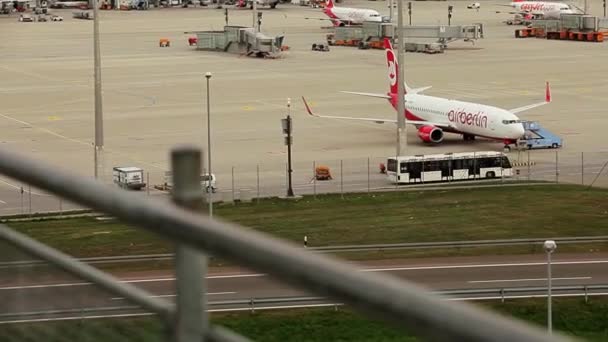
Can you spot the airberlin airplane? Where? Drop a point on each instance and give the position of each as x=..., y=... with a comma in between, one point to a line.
x=433, y=116
x=542, y=9
x=341, y=16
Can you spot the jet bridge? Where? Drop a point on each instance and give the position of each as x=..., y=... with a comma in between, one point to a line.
x=444, y=34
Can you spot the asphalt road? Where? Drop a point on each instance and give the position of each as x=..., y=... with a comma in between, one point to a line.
x=28, y=294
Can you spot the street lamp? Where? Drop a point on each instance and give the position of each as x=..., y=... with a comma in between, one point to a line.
x=287, y=130
x=450, y=7
x=549, y=247
x=209, y=175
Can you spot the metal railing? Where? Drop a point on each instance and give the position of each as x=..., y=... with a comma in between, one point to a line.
x=406, y=306
x=269, y=303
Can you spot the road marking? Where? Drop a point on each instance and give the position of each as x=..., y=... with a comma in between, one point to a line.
x=25, y=191
x=529, y=279
x=173, y=295
x=248, y=275
x=440, y=267
x=148, y=280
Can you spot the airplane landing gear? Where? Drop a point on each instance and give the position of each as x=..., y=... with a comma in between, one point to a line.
x=507, y=148
x=468, y=137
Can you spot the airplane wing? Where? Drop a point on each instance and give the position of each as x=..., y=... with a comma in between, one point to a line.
x=534, y=105
x=378, y=121
x=382, y=96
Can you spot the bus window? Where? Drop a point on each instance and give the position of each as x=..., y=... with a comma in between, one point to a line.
x=415, y=169
x=392, y=165
x=431, y=165
x=403, y=167
x=506, y=164
x=446, y=168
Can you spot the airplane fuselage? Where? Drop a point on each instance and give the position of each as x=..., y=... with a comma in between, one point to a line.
x=342, y=15
x=546, y=10
x=465, y=117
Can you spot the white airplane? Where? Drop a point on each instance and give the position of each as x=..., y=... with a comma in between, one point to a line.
x=342, y=16
x=433, y=116
x=541, y=9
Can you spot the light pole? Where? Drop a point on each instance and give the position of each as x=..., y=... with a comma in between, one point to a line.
x=550, y=247
x=401, y=127
x=287, y=130
x=210, y=175
x=98, y=157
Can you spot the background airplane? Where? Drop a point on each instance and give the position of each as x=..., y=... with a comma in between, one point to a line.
x=432, y=116
x=342, y=16
x=541, y=9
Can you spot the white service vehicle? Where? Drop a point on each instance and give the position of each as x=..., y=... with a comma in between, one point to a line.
x=129, y=177
x=448, y=167
x=474, y=5
x=208, y=182
x=56, y=18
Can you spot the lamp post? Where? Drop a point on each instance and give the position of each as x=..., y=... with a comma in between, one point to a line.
x=401, y=125
x=98, y=157
x=450, y=7
x=287, y=128
x=550, y=247
x=210, y=175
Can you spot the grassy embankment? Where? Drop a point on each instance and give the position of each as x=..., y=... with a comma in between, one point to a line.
x=469, y=214
x=588, y=321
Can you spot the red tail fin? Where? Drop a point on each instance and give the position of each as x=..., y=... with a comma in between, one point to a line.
x=329, y=4
x=391, y=63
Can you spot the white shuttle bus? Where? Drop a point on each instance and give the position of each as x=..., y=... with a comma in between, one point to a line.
x=448, y=167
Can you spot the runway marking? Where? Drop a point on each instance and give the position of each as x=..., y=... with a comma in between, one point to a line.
x=80, y=142
x=1, y=201
x=249, y=275
x=25, y=191
x=529, y=279
x=173, y=295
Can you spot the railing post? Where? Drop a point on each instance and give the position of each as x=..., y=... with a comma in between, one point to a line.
x=148, y=183
x=258, y=182
x=586, y=294
x=529, y=166
x=233, y=202
x=582, y=168
x=191, y=266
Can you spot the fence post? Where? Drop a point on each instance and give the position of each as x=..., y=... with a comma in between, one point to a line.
x=582, y=168
x=556, y=168
x=341, y=180
x=148, y=183
x=314, y=179
x=528, y=165
x=190, y=265
x=22, y=208
x=258, y=182
x=368, y=185
x=233, y=185
x=60, y=207
x=29, y=193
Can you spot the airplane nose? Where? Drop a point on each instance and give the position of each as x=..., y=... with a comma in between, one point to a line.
x=518, y=130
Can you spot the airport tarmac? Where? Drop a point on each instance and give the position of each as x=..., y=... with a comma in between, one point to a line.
x=154, y=97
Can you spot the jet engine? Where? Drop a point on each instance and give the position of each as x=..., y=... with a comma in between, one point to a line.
x=430, y=133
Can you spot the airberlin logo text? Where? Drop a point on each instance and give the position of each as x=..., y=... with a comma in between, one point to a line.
x=458, y=116
x=533, y=7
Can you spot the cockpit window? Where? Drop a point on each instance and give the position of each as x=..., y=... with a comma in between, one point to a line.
x=510, y=122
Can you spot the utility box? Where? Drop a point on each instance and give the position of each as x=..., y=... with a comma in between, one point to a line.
x=129, y=177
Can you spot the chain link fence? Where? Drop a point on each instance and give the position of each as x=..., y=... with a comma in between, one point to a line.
x=251, y=182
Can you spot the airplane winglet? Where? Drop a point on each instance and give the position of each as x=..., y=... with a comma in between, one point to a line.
x=308, y=107
x=547, y=93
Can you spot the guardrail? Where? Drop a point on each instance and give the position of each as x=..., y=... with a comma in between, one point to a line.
x=406, y=306
x=269, y=303
x=337, y=249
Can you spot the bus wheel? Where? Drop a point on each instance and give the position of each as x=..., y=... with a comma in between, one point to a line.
x=490, y=174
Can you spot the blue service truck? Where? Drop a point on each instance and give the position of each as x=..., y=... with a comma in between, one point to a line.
x=538, y=137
